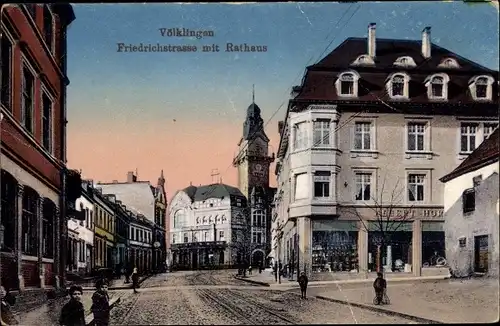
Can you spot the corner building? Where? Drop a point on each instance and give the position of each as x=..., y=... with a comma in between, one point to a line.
x=370, y=131
x=33, y=145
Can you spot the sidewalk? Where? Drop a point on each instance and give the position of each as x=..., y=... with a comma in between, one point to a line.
x=452, y=301
x=267, y=278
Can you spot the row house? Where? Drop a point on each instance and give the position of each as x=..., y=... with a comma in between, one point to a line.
x=140, y=250
x=104, y=230
x=366, y=138
x=144, y=199
x=81, y=234
x=35, y=182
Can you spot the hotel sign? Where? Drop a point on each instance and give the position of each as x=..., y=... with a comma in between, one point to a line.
x=414, y=213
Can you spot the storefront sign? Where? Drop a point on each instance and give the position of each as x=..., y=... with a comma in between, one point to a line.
x=411, y=213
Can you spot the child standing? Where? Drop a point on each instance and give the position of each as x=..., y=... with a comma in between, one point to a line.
x=73, y=312
x=303, y=280
x=380, y=285
x=100, y=304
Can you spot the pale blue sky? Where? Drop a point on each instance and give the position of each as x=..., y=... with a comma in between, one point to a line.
x=142, y=87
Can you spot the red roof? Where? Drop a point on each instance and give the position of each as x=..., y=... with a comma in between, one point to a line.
x=486, y=154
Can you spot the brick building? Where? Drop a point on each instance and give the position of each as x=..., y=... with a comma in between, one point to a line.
x=33, y=145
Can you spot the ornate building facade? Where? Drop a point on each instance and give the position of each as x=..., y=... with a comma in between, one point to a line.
x=253, y=162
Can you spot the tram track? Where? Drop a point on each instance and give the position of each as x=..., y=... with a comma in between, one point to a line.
x=245, y=309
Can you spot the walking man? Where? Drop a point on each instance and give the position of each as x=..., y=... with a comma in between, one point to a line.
x=303, y=280
x=135, y=280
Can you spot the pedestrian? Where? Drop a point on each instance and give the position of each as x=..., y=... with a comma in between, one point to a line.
x=135, y=280
x=73, y=312
x=100, y=304
x=7, y=316
x=303, y=280
x=380, y=286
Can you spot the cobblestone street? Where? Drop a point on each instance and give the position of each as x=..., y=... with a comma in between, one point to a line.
x=215, y=297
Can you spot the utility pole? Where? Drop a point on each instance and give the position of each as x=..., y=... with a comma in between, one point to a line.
x=214, y=174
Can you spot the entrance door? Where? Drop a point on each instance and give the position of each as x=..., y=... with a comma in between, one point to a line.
x=194, y=263
x=481, y=254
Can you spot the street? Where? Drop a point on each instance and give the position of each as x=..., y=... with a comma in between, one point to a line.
x=215, y=297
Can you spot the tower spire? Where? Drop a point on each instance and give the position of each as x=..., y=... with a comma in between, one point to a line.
x=253, y=93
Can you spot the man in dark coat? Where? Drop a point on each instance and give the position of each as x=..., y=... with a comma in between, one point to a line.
x=303, y=280
x=100, y=304
x=73, y=312
x=380, y=286
x=135, y=280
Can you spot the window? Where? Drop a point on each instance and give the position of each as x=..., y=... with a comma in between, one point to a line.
x=405, y=62
x=81, y=251
x=462, y=242
x=8, y=210
x=221, y=235
x=28, y=86
x=398, y=86
x=347, y=84
x=437, y=85
x=195, y=237
x=416, y=184
x=322, y=184
x=362, y=135
x=363, y=60
x=258, y=218
x=48, y=27
x=482, y=88
x=416, y=136
x=488, y=129
x=6, y=66
x=186, y=237
x=468, y=201
x=321, y=131
x=174, y=237
x=301, y=186
x=300, y=135
x=205, y=236
x=449, y=63
x=29, y=223
x=363, y=186
x=468, y=137
x=257, y=237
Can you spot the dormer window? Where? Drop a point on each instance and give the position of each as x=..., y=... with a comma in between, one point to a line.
x=437, y=87
x=449, y=63
x=397, y=87
x=363, y=60
x=481, y=88
x=347, y=84
x=405, y=62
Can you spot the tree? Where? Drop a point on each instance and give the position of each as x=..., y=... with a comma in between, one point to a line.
x=241, y=241
x=388, y=216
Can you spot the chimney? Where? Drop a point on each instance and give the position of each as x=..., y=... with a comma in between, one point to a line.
x=371, y=40
x=131, y=177
x=281, y=124
x=426, y=42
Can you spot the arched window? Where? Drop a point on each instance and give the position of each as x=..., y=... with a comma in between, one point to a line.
x=258, y=218
x=29, y=222
x=449, y=63
x=9, y=199
x=397, y=87
x=186, y=239
x=179, y=218
x=347, y=84
x=481, y=88
x=363, y=60
x=405, y=62
x=437, y=87
x=48, y=217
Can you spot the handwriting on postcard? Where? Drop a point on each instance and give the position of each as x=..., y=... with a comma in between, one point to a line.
x=190, y=34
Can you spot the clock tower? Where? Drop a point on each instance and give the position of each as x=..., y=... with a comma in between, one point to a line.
x=253, y=162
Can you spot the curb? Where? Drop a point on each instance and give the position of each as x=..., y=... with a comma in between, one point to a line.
x=89, y=319
x=381, y=310
x=252, y=281
x=369, y=280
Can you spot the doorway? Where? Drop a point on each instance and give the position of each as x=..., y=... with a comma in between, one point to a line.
x=481, y=254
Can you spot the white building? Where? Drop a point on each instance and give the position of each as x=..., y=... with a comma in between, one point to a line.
x=204, y=225
x=362, y=148
x=471, y=211
x=140, y=242
x=81, y=234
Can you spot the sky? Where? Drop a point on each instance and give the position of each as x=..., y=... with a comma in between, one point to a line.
x=183, y=112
